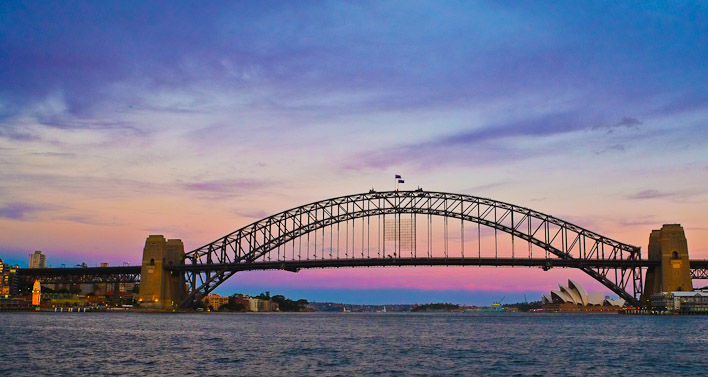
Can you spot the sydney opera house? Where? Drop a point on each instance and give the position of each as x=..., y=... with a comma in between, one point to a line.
x=573, y=297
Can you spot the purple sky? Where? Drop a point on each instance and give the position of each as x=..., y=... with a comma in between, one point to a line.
x=123, y=119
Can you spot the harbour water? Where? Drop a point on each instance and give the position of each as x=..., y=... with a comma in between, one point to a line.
x=347, y=344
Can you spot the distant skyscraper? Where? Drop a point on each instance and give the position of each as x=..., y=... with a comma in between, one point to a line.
x=37, y=260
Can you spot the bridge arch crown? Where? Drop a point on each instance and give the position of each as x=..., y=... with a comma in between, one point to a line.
x=561, y=239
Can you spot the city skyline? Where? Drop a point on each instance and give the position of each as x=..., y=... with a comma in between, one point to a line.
x=122, y=120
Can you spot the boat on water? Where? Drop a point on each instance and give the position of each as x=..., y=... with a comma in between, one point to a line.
x=495, y=307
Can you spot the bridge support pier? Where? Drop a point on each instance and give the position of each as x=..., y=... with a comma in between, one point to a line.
x=161, y=289
x=668, y=245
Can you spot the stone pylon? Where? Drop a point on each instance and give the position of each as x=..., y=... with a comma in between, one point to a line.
x=668, y=246
x=159, y=288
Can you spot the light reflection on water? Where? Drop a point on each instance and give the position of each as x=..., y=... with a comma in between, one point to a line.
x=335, y=344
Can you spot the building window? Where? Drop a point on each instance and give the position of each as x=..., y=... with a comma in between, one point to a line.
x=674, y=255
x=152, y=261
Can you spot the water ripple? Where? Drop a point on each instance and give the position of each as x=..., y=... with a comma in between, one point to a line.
x=415, y=344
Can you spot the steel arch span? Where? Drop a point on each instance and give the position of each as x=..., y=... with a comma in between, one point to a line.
x=263, y=244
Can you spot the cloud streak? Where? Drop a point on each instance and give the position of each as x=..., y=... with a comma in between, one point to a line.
x=512, y=140
x=17, y=211
x=649, y=194
x=225, y=186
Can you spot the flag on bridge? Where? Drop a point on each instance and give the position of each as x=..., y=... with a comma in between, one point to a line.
x=401, y=181
x=398, y=176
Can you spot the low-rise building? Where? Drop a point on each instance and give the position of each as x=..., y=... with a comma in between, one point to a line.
x=259, y=305
x=253, y=304
x=267, y=306
x=241, y=300
x=215, y=301
x=691, y=302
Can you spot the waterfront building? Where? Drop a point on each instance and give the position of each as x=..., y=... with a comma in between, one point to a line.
x=257, y=305
x=8, y=280
x=253, y=304
x=267, y=306
x=693, y=302
x=37, y=260
x=70, y=299
x=242, y=300
x=11, y=304
x=215, y=301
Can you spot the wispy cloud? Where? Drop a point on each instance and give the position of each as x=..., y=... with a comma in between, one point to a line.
x=252, y=214
x=15, y=134
x=657, y=194
x=54, y=212
x=90, y=219
x=225, y=185
x=650, y=194
x=640, y=221
x=625, y=122
x=612, y=148
x=485, y=187
x=17, y=211
x=481, y=144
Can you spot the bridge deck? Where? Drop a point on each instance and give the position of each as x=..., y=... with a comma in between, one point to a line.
x=366, y=262
x=63, y=271
x=383, y=262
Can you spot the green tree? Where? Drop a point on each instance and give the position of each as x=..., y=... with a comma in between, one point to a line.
x=302, y=304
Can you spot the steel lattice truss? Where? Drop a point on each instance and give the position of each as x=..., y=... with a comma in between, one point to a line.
x=699, y=269
x=80, y=275
x=699, y=274
x=260, y=242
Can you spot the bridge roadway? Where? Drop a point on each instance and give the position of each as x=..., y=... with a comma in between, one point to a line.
x=296, y=265
x=129, y=274
x=701, y=264
x=77, y=275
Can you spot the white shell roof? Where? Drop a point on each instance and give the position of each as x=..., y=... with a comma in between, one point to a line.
x=581, y=291
x=574, y=296
x=614, y=302
x=574, y=293
x=596, y=298
x=560, y=296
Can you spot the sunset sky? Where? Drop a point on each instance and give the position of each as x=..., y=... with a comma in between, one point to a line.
x=191, y=119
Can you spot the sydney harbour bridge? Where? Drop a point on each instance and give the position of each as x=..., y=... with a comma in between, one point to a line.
x=396, y=228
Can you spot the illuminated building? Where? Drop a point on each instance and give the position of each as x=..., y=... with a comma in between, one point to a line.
x=36, y=293
x=37, y=260
x=215, y=301
x=8, y=280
